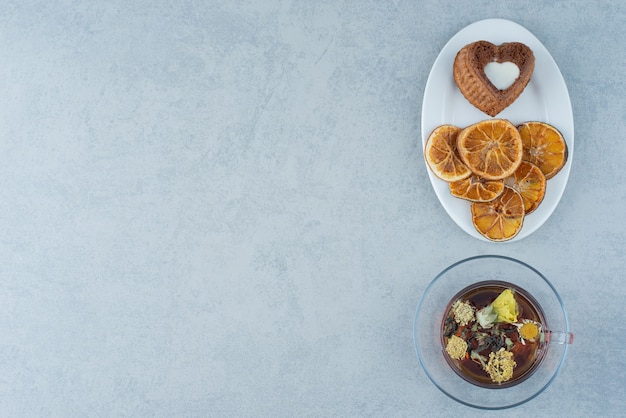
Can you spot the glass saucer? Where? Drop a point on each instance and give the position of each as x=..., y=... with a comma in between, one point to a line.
x=431, y=309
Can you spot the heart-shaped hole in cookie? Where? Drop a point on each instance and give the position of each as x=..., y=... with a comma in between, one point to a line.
x=501, y=74
x=491, y=77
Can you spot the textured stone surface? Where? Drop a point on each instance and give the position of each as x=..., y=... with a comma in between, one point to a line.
x=221, y=208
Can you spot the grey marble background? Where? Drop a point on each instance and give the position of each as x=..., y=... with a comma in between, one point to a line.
x=220, y=208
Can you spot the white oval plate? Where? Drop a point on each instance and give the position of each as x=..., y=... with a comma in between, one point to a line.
x=544, y=99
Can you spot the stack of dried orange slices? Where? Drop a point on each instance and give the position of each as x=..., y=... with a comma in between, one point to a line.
x=500, y=168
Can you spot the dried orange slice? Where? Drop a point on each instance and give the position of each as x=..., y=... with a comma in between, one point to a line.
x=544, y=146
x=530, y=183
x=500, y=219
x=441, y=154
x=476, y=189
x=491, y=148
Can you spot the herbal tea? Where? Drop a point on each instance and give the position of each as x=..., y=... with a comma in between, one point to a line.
x=492, y=334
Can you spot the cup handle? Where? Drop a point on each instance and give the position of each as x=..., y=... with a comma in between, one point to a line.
x=559, y=337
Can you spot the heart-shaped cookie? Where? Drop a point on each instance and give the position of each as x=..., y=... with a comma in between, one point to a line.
x=475, y=85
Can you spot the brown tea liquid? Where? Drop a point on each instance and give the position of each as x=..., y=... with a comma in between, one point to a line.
x=527, y=356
